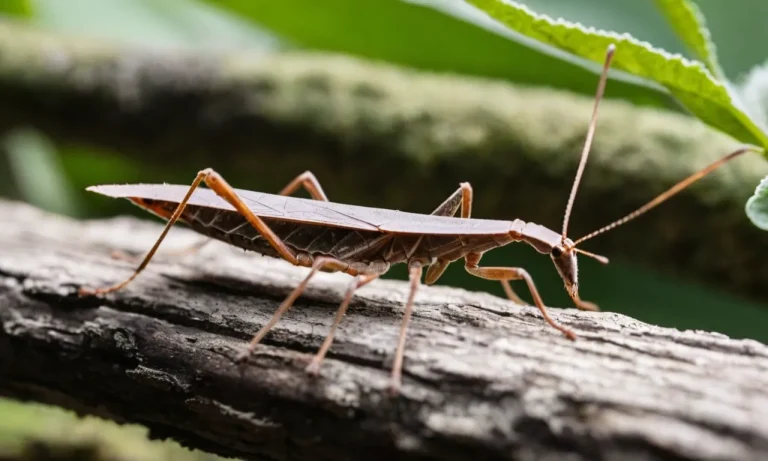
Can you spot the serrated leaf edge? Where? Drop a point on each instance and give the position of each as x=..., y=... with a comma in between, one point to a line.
x=624, y=36
x=694, y=65
x=713, y=59
x=710, y=60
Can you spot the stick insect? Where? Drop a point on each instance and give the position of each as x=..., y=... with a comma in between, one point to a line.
x=364, y=242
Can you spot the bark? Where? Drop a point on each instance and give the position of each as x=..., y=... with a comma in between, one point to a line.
x=382, y=136
x=483, y=379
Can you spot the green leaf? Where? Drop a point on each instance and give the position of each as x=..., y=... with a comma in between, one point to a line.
x=689, y=24
x=690, y=82
x=757, y=205
x=35, y=167
x=416, y=34
x=20, y=8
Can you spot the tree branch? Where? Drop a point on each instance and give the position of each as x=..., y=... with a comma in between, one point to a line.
x=262, y=119
x=484, y=378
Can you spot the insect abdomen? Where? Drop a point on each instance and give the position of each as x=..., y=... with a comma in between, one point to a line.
x=350, y=245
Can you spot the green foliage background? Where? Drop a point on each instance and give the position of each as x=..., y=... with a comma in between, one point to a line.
x=424, y=34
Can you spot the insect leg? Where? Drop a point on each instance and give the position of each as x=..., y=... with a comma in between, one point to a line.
x=414, y=275
x=513, y=273
x=308, y=181
x=214, y=181
x=171, y=221
x=511, y=293
x=462, y=198
x=220, y=186
x=359, y=281
x=320, y=263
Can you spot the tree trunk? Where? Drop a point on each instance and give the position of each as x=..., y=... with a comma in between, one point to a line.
x=484, y=378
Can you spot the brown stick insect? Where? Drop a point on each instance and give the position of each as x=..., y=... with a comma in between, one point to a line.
x=364, y=242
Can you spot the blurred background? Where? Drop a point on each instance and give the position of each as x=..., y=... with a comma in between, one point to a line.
x=48, y=154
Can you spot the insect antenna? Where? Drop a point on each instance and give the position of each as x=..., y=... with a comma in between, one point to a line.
x=665, y=195
x=599, y=258
x=588, y=142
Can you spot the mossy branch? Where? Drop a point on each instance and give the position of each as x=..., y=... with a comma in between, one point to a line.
x=383, y=136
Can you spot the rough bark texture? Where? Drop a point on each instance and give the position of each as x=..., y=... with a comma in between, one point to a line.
x=484, y=378
x=262, y=119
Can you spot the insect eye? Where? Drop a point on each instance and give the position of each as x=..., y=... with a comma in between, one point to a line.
x=557, y=252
